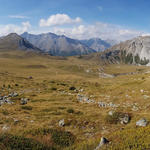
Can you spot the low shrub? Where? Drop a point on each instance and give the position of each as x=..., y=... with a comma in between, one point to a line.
x=27, y=107
x=63, y=138
x=13, y=142
x=5, y=112
x=72, y=88
x=70, y=110
x=114, y=118
x=53, y=89
x=59, y=137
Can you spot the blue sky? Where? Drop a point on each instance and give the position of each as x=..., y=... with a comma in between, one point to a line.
x=74, y=18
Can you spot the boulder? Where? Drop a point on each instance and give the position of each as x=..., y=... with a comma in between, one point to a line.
x=15, y=94
x=62, y=123
x=142, y=122
x=125, y=119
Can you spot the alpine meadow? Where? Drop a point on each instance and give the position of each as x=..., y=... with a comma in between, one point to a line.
x=74, y=75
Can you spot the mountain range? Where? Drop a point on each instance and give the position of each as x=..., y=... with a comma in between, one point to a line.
x=135, y=51
x=56, y=45
x=60, y=45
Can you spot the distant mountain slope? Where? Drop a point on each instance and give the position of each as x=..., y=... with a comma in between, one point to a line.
x=135, y=51
x=58, y=45
x=96, y=44
x=16, y=42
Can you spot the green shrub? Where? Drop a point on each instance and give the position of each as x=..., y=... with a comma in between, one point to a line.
x=56, y=113
x=47, y=110
x=27, y=107
x=21, y=143
x=72, y=88
x=70, y=110
x=63, y=138
x=62, y=108
x=112, y=119
x=59, y=137
x=5, y=112
x=53, y=89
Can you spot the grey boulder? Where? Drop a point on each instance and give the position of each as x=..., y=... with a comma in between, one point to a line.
x=142, y=122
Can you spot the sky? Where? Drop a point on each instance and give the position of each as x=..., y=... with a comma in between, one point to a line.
x=80, y=19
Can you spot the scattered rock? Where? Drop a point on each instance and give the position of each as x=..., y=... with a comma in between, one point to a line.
x=104, y=75
x=125, y=119
x=5, y=128
x=146, y=96
x=62, y=123
x=32, y=121
x=111, y=113
x=87, y=71
x=24, y=101
x=135, y=108
x=15, y=120
x=30, y=77
x=102, y=142
x=142, y=122
x=81, y=90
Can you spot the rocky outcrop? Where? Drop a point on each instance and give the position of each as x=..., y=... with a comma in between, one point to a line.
x=135, y=51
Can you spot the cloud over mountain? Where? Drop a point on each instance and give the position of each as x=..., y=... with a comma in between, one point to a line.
x=59, y=19
x=76, y=28
x=11, y=28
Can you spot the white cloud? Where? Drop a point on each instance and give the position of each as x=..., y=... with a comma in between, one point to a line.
x=101, y=30
x=59, y=19
x=18, y=17
x=11, y=28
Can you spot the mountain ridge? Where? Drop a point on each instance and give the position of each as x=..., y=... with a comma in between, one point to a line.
x=96, y=44
x=15, y=42
x=58, y=45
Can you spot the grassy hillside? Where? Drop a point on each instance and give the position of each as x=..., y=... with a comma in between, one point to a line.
x=52, y=85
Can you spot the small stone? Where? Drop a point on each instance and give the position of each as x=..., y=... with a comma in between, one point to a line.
x=32, y=121
x=135, y=108
x=62, y=123
x=81, y=90
x=5, y=128
x=142, y=122
x=15, y=120
x=102, y=142
x=110, y=113
x=30, y=77
x=15, y=94
x=125, y=119
x=24, y=101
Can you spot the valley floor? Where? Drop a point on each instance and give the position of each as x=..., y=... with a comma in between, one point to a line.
x=69, y=101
